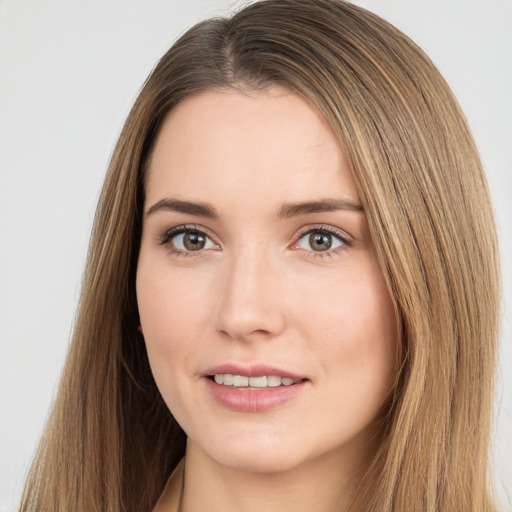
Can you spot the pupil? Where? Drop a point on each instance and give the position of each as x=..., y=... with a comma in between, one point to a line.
x=320, y=242
x=194, y=241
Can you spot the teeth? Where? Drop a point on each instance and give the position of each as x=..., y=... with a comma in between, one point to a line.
x=242, y=381
x=258, y=382
x=273, y=381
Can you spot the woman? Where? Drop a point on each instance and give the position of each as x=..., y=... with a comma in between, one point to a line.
x=292, y=284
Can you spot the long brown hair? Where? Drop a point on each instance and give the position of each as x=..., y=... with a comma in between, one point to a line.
x=111, y=443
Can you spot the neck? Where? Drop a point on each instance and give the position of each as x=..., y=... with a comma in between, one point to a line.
x=323, y=485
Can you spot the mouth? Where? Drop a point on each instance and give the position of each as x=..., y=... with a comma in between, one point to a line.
x=253, y=382
x=251, y=389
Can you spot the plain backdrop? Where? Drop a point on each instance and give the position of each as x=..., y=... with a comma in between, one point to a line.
x=69, y=72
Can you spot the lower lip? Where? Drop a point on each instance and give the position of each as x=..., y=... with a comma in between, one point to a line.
x=253, y=400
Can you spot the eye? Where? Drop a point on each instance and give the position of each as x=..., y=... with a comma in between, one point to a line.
x=321, y=239
x=187, y=239
x=191, y=241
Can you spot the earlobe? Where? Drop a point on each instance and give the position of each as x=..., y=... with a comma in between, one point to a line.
x=139, y=328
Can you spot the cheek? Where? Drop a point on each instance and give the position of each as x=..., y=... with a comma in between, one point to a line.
x=170, y=309
x=354, y=326
x=169, y=302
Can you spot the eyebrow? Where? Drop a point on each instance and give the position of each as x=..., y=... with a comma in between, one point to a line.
x=286, y=211
x=324, y=205
x=175, y=205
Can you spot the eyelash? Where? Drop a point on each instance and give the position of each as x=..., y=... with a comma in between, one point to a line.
x=325, y=230
x=167, y=237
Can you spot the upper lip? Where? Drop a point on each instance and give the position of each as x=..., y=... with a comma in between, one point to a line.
x=253, y=370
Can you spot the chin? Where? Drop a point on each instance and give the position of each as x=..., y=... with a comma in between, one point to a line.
x=257, y=462
x=267, y=455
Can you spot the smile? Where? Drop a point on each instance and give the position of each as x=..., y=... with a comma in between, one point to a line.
x=253, y=389
x=256, y=382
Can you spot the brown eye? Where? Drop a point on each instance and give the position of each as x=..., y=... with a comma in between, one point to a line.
x=194, y=241
x=185, y=240
x=320, y=241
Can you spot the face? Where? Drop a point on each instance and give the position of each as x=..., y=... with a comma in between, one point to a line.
x=268, y=324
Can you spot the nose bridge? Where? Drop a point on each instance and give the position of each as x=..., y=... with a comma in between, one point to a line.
x=249, y=295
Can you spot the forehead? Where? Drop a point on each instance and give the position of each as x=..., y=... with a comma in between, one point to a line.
x=246, y=144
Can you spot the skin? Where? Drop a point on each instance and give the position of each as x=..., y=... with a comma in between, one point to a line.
x=259, y=292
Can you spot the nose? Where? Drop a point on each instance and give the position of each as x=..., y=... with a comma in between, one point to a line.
x=251, y=297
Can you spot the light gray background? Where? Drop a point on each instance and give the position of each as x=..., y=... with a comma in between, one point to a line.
x=69, y=72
